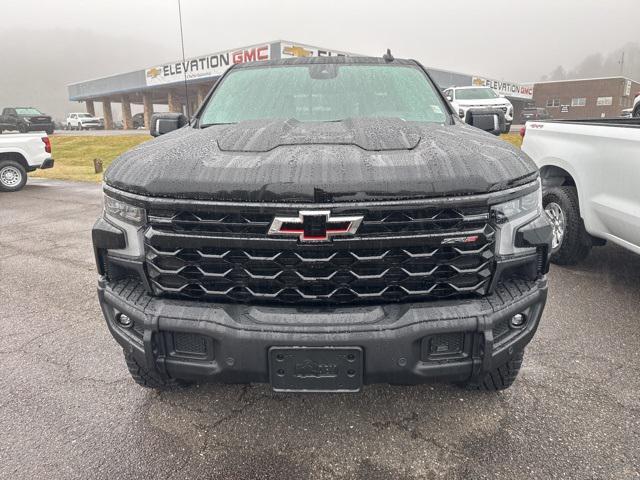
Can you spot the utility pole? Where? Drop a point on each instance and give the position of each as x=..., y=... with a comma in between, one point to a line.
x=622, y=64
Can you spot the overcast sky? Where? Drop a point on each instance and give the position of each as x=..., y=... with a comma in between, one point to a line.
x=516, y=40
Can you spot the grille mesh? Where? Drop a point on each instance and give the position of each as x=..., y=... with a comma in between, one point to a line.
x=208, y=265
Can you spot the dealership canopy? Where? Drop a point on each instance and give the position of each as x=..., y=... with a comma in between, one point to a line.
x=164, y=84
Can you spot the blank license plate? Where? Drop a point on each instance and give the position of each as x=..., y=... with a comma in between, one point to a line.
x=315, y=369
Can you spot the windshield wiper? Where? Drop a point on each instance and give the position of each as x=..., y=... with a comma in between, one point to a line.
x=205, y=125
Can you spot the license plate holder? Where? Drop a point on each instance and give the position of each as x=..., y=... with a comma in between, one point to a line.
x=315, y=369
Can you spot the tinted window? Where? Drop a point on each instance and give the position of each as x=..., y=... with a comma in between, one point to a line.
x=28, y=111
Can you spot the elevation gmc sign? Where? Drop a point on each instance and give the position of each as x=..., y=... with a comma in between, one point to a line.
x=205, y=66
x=508, y=89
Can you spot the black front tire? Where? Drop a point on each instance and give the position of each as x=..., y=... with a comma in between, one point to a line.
x=49, y=131
x=22, y=128
x=576, y=242
x=507, y=128
x=16, y=169
x=501, y=377
x=148, y=378
x=636, y=112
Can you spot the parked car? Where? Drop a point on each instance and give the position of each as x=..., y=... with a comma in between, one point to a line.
x=138, y=120
x=636, y=105
x=534, y=113
x=82, y=121
x=464, y=99
x=626, y=113
x=19, y=154
x=25, y=119
x=346, y=228
x=590, y=182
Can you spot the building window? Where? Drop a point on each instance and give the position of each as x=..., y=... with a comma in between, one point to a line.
x=553, y=102
x=578, y=102
x=604, y=101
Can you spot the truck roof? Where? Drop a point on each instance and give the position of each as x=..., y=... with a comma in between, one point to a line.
x=334, y=60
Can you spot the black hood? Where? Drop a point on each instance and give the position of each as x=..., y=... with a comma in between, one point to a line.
x=352, y=160
x=37, y=118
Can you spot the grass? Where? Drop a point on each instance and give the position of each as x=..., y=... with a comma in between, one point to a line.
x=74, y=155
x=513, y=138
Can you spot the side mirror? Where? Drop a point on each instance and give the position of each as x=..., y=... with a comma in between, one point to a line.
x=450, y=98
x=162, y=123
x=491, y=121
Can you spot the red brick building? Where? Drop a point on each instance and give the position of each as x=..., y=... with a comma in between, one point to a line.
x=586, y=98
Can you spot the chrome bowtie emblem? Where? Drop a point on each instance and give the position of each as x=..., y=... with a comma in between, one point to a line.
x=315, y=225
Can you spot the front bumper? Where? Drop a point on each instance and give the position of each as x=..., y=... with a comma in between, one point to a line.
x=40, y=127
x=229, y=343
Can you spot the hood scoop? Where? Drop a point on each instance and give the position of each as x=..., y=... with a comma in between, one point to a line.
x=371, y=134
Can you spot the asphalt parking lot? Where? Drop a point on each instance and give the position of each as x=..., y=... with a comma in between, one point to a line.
x=69, y=409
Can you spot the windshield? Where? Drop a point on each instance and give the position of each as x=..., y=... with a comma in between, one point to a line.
x=84, y=115
x=475, y=94
x=28, y=111
x=324, y=93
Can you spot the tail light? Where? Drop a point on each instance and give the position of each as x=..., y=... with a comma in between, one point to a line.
x=523, y=130
x=47, y=144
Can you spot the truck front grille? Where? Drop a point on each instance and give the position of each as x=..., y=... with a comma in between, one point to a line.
x=396, y=256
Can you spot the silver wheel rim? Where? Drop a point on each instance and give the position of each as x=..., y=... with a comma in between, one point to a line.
x=10, y=176
x=558, y=223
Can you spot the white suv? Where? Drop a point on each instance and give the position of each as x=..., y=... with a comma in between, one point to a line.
x=82, y=121
x=466, y=98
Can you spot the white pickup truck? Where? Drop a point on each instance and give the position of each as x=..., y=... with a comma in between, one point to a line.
x=590, y=172
x=19, y=154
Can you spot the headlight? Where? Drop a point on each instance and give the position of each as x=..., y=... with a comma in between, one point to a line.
x=511, y=216
x=461, y=113
x=131, y=220
x=129, y=213
x=518, y=207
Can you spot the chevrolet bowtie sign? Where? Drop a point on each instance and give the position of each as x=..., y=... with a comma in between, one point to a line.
x=315, y=225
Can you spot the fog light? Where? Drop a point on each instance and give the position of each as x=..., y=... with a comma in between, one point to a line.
x=518, y=320
x=124, y=320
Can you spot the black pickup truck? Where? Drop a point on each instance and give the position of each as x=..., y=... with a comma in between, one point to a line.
x=25, y=119
x=320, y=224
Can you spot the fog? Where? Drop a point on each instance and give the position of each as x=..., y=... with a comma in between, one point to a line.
x=46, y=45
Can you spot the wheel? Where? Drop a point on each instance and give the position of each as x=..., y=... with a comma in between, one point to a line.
x=49, y=131
x=149, y=379
x=22, y=128
x=500, y=378
x=570, y=243
x=636, y=112
x=507, y=128
x=79, y=126
x=13, y=176
x=67, y=127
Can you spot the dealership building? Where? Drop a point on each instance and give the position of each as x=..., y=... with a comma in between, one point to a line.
x=162, y=86
x=586, y=98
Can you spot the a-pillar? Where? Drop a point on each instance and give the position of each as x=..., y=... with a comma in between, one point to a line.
x=201, y=94
x=126, y=113
x=91, y=109
x=108, y=116
x=148, y=109
x=174, y=102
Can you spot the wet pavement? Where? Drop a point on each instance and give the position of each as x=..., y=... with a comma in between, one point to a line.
x=69, y=409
